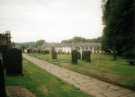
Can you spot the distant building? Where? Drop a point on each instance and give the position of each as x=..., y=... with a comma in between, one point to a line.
x=64, y=49
x=67, y=48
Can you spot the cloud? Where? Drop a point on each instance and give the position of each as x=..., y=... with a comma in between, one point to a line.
x=53, y=20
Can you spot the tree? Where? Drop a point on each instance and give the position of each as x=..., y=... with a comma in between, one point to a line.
x=119, y=22
x=39, y=43
x=81, y=40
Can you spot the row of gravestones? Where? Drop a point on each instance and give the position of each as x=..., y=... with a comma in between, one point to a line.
x=35, y=51
x=10, y=64
x=76, y=55
x=84, y=55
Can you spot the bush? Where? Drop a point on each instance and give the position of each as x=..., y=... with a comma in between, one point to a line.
x=75, y=56
x=12, y=59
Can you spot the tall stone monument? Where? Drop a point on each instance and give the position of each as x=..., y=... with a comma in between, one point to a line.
x=2, y=80
x=12, y=57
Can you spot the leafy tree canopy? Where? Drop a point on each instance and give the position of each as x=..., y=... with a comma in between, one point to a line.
x=81, y=39
x=119, y=21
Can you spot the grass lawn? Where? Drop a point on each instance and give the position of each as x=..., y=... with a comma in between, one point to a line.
x=102, y=67
x=43, y=84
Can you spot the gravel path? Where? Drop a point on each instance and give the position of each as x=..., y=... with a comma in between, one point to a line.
x=89, y=85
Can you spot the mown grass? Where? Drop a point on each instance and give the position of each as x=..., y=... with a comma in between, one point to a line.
x=102, y=67
x=42, y=84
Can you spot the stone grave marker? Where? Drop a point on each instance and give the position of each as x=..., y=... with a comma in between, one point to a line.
x=2, y=80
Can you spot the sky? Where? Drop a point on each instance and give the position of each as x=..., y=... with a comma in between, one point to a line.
x=51, y=20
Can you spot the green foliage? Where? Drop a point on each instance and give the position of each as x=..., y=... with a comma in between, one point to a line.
x=81, y=39
x=25, y=45
x=39, y=43
x=36, y=44
x=119, y=27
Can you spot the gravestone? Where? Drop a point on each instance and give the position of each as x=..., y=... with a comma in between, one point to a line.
x=86, y=55
x=12, y=60
x=75, y=56
x=53, y=53
x=131, y=62
x=79, y=55
x=12, y=57
x=2, y=80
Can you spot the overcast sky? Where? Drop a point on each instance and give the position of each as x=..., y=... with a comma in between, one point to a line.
x=52, y=20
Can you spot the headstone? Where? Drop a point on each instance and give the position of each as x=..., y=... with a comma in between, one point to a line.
x=53, y=53
x=131, y=62
x=12, y=60
x=86, y=55
x=79, y=55
x=75, y=56
x=2, y=80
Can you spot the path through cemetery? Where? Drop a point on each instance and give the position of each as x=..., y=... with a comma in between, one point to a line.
x=86, y=84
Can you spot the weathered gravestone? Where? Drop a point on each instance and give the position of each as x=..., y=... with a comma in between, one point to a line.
x=79, y=55
x=53, y=53
x=12, y=59
x=2, y=80
x=131, y=62
x=130, y=55
x=74, y=56
x=86, y=55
